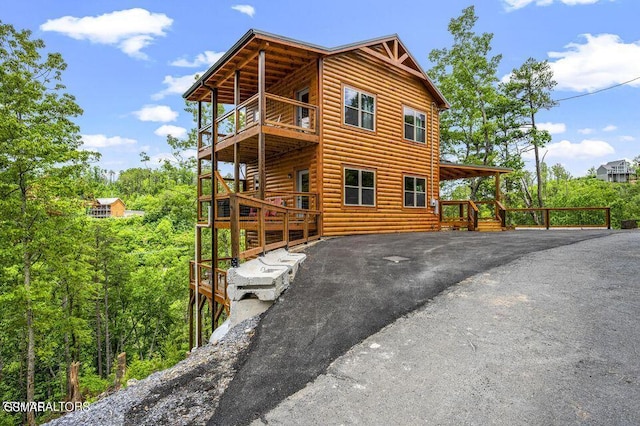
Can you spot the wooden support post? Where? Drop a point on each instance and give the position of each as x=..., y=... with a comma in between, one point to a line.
x=236, y=147
x=191, y=303
x=236, y=100
x=608, y=217
x=214, y=181
x=236, y=167
x=286, y=229
x=461, y=212
x=262, y=232
x=547, y=218
x=498, y=187
x=203, y=300
x=262, y=175
x=234, y=208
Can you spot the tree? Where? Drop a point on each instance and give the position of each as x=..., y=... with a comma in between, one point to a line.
x=531, y=85
x=467, y=76
x=39, y=157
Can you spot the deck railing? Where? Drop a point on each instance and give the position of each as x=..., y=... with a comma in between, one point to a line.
x=459, y=214
x=208, y=276
x=559, y=217
x=258, y=226
x=280, y=112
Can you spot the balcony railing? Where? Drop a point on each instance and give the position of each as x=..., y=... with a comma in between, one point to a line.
x=280, y=112
x=258, y=226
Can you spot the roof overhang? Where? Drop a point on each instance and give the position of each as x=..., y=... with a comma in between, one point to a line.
x=283, y=56
x=453, y=171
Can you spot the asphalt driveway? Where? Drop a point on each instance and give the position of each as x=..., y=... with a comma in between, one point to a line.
x=347, y=291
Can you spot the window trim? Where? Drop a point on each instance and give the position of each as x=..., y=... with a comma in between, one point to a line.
x=375, y=109
x=415, y=111
x=360, y=187
x=404, y=190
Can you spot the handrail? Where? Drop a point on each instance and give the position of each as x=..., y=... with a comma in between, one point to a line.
x=248, y=101
x=290, y=101
x=269, y=225
x=547, y=216
x=225, y=115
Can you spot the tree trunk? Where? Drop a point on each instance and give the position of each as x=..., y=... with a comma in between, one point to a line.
x=99, y=338
x=537, y=154
x=74, y=395
x=107, y=337
x=31, y=346
x=121, y=369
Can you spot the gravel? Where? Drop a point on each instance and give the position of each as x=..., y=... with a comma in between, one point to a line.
x=187, y=393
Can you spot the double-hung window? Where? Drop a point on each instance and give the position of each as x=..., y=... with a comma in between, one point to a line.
x=415, y=123
x=359, y=109
x=359, y=187
x=415, y=191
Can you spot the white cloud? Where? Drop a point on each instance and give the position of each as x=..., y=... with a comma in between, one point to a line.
x=519, y=4
x=586, y=149
x=245, y=8
x=175, y=85
x=585, y=131
x=207, y=58
x=553, y=128
x=161, y=157
x=167, y=129
x=627, y=138
x=130, y=30
x=157, y=113
x=601, y=61
x=102, y=141
x=610, y=128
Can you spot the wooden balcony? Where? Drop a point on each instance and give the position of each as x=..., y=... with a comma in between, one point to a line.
x=288, y=125
x=259, y=226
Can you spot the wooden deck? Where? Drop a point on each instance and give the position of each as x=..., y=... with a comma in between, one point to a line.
x=491, y=215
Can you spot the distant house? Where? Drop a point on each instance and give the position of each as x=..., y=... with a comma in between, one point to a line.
x=107, y=207
x=616, y=171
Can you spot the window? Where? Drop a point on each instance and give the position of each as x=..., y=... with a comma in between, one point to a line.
x=414, y=125
x=415, y=191
x=359, y=187
x=359, y=109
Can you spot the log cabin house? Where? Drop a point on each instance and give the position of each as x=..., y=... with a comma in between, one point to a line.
x=324, y=142
x=107, y=207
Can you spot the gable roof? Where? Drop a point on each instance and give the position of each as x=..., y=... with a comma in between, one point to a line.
x=244, y=52
x=107, y=201
x=612, y=164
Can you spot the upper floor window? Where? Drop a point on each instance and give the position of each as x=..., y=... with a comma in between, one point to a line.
x=415, y=123
x=359, y=109
x=359, y=187
x=415, y=191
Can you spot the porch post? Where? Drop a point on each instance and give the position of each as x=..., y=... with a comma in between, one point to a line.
x=498, y=187
x=236, y=147
x=214, y=193
x=262, y=175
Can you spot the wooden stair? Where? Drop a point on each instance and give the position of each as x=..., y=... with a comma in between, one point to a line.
x=489, y=226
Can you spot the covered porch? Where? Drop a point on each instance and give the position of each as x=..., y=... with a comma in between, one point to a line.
x=484, y=215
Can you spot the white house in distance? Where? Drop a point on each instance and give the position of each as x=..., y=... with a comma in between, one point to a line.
x=617, y=171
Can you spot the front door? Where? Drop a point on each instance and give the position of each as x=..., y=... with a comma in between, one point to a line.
x=302, y=113
x=302, y=185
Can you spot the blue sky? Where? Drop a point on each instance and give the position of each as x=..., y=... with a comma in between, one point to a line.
x=130, y=61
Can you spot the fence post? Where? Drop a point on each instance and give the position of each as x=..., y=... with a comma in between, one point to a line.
x=608, y=214
x=262, y=232
x=234, y=210
x=286, y=228
x=547, y=218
